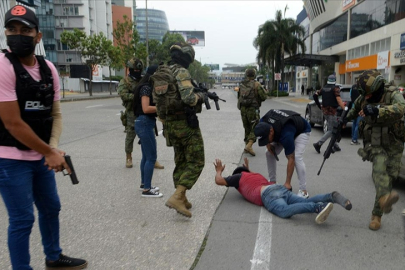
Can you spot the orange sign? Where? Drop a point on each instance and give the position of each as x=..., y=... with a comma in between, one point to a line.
x=363, y=63
x=347, y=3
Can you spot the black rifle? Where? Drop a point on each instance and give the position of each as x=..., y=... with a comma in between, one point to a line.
x=212, y=95
x=73, y=176
x=336, y=135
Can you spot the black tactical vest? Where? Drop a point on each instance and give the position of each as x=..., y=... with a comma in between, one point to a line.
x=328, y=96
x=35, y=100
x=278, y=118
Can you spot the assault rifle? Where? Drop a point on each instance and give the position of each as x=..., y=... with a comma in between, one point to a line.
x=202, y=89
x=73, y=176
x=336, y=135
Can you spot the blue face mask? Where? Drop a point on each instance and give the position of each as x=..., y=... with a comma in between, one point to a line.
x=21, y=45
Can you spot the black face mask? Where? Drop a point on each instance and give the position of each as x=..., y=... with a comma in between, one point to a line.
x=21, y=45
x=135, y=74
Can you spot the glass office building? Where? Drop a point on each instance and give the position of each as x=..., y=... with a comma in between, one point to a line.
x=157, y=24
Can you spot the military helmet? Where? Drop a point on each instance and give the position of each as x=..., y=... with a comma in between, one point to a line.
x=186, y=49
x=135, y=64
x=370, y=81
x=250, y=72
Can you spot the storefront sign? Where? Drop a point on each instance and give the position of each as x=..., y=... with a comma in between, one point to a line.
x=382, y=60
x=401, y=56
x=368, y=62
x=347, y=3
x=402, y=44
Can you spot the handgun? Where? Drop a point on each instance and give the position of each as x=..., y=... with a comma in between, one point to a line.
x=73, y=176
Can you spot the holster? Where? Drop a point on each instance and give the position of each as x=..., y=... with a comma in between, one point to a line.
x=192, y=119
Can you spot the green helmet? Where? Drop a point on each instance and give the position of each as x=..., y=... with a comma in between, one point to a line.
x=250, y=73
x=370, y=81
x=186, y=49
x=135, y=64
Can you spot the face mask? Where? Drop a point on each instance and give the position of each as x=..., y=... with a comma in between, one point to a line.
x=135, y=74
x=21, y=45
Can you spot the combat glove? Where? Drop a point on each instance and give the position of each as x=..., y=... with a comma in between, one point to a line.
x=371, y=110
x=201, y=97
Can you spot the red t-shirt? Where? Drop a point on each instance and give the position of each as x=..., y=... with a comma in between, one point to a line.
x=249, y=185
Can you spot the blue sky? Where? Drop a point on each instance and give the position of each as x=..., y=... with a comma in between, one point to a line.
x=230, y=26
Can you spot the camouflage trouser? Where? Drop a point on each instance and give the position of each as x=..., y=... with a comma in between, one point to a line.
x=188, y=147
x=130, y=132
x=250, y=118
x=386, y=166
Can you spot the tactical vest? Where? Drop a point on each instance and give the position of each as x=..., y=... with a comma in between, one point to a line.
x=248, y=94
x=328, y=96
x=130, y=85
x=165, y=94
x=278, y=118
x=376, y=130
x=35, y=100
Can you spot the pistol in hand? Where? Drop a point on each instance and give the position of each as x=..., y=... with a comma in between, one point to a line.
x=73, y=176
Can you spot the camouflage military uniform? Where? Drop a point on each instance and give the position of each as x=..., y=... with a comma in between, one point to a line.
x=187, y=142
x=125, y=90
x=383, y=139
x=250, y=114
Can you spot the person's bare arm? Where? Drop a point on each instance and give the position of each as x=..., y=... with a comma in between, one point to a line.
x=340, y=102
x=219, y=168
x=290, y=169
x=146, y=107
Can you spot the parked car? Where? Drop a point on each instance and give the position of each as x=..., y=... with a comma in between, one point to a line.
x=315, y=116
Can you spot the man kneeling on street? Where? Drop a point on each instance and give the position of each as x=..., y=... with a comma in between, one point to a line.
x=276, y=198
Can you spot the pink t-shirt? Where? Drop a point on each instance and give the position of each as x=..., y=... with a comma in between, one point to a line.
x=8, y=93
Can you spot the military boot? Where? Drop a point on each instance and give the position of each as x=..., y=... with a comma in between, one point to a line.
x=187, y=203
x=375, y=223
x=387, y=201
x=128, y=163
x=158, y=166
x=248, y=148
x=177, y=200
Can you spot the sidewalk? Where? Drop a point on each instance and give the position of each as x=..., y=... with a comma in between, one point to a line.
x=75, y=96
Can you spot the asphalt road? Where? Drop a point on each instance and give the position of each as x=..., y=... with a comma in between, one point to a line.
x=105, y=220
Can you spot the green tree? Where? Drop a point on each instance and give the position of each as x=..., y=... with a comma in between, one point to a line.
x=114, y=60
x=92, y=49
x=199, y=72
x=277, y=37
x=163, y=53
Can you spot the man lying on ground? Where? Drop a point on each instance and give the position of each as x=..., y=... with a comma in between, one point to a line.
x=276, y=198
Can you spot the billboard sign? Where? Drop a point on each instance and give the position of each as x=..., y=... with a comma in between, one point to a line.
x=194, y=38
x=212, y=66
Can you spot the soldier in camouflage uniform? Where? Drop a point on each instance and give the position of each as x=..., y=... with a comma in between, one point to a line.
x=250, y=97
x=126, y=91
x=184, y=136
x=383, y=134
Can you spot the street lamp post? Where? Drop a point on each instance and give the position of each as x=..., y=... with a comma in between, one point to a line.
x=147, y=35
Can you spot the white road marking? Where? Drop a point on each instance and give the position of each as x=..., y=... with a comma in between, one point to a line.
x=262, y=252
x=94, y=106
x=288, y=103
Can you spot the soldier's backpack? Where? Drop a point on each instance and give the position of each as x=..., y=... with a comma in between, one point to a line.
x=165, y=95
x=248, y=94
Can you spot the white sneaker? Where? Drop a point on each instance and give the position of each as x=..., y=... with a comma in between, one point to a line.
x=302, y=194
x=151, y=194
x=151, y=188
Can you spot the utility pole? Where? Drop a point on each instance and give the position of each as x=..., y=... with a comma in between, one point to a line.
x=147, y=35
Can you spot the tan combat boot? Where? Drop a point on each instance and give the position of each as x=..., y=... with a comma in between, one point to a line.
x=375, y=223
x=387, y=201
x=128, y=163
x=187, y=203
x=248, y=148
x=176, y=201
x=158, y=166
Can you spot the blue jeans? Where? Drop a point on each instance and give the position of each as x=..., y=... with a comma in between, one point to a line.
x=23, y=183
x=355, y=128
x=144, y=126
x=283, y=203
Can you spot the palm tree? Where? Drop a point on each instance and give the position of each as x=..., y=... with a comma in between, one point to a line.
x=277, y=37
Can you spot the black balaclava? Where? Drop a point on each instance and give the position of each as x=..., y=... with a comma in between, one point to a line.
x=135, y=74
x=376, y=96
x=21, y=45
x=179, y=58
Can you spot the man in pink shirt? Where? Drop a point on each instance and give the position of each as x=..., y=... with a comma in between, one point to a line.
x=276, y=198
x=30, y=127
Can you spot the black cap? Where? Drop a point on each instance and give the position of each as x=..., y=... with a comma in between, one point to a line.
x=262, y=131
x=21, y=14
